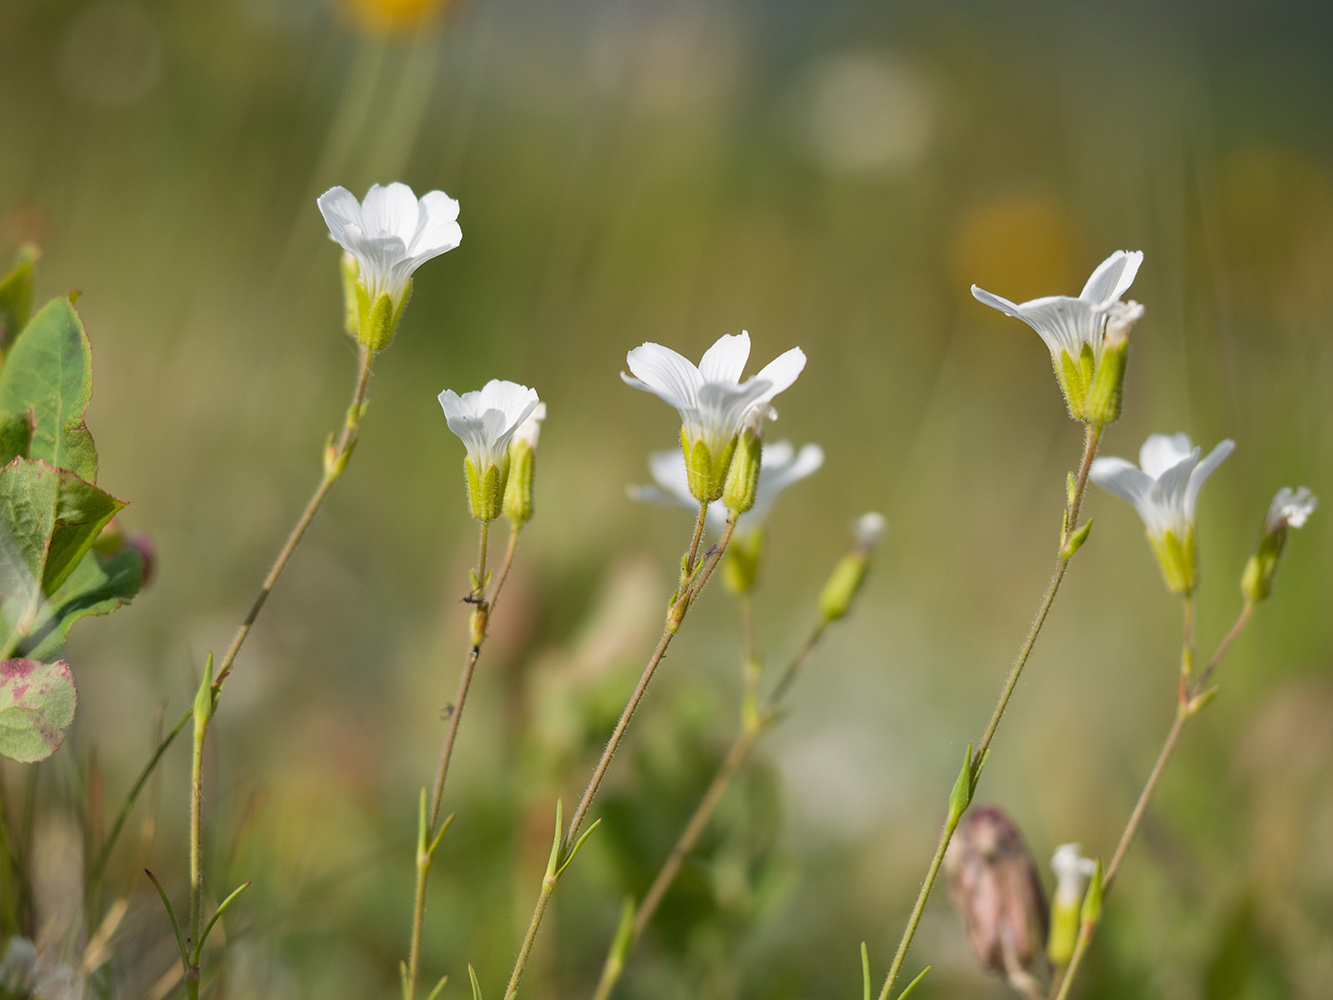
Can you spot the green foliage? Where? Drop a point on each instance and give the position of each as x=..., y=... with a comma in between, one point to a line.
x=16, y=295
x=36, y=708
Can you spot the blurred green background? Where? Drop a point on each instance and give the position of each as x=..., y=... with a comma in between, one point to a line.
x=827, y=175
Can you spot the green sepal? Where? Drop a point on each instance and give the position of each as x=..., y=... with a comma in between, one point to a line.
x=486, y=489
x=49, y=373
x=1069, y=376
x=705, y=472
x=742, y=481
x=16, y=296
x=518, y=487
x=378, y=320
x=1178, y=560
x=1106, y=394
x=203, y=698
x=351, y=272
x=740, y=564
x=1092, y=900
x=1256, y=582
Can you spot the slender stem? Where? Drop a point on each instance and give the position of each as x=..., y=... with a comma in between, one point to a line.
x=196, y=857
x=480, y=621
x=335, y=460
x=1091, y=438
x=1189, y=703
x=789, y=675
x=675, y=615
x=694, y=542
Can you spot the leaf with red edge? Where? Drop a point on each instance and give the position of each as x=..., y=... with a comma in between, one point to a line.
x=37, y=702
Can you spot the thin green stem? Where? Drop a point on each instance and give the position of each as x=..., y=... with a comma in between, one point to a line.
x=676, y=613
x=694, y=543
x=1074, y=501
x=196, y=858
x=1192, y=698
x=481, y=613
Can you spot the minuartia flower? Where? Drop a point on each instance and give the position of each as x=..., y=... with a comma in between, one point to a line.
x=485, y=420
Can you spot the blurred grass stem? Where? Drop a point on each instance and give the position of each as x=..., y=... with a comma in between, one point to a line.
x=1192, y=698
x=481, y=612
x=1074, y=500
x=692, y=585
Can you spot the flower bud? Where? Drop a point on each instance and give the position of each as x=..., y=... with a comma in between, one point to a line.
x=705, y=471
x=740, y=565
x=1178, y=559
x=522, y=456
x=835, y=600
x=1289, y=508
x=1072, y=872
x=994, y=885
x=1105, y=394
x=486, y=489
x=742, y=483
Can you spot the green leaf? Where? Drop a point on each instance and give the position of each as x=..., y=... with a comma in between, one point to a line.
x=98, y=586
x=476, y=986
x=15, y=436
x=49, y=518
x=963, y=785
x=16, y=295
x=50, y=372
x=914, y=984
x=37, y=702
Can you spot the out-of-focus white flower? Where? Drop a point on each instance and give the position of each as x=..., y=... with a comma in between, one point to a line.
x=528, y=431
x=1073, y=330
x=485, y=421
x=1164, y=489
x=390, y=234
x=869, y=530
x=1290, y=508
x=714, y=404
x=782, y=466
x=1072, y=872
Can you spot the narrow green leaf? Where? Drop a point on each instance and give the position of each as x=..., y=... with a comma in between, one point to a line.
x=553, y=863
x=16, y=296
x=578, y=845
x=171, y=915
x=913, y=984
x=203, y=698
x=217, y=915
x=439, y=835
x=961, y=795
x=1092, y=900
x=865, y=972
x=98, y=585
x=476, y=986
x=50, y=372
x=37, y=702
x=439, y=987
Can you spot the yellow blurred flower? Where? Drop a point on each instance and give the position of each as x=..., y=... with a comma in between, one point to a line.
x=392, y=17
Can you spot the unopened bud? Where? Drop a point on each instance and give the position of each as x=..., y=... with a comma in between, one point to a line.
x=1289, y=509
x=522, y=457
x=705, y=472
x=486, y=489
x=1106, y=393
x=1072, y=872
x=740, y=565
x=994, y=885
x=835, y=600
x=742, y=483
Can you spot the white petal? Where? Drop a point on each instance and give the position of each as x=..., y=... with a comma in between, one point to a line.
x=1201, y=473
x=340, y=209
x=664, y=373
x=668, y=471
x=530, y=430
x=437, y=225
x=1064, y=323
x=1161, y=451
x=781, y=372
x=1112, y=278
x=725, y=360
x=1121, y=478
x=723, y=409
x=780, y=468
x=777, y=455
x=391, y=210
x=1169, y=493
x=869, y=529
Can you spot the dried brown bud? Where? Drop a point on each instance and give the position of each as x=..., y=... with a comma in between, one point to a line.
x=994, y=884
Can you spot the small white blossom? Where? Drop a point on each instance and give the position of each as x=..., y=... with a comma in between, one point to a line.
x=782, y=466
x=714, y=404
x=1066, y=323
x=1166, y=487
x=531, y=429
x=391, y=233
x=1290, y=508
x=869, y=530
x=485, y=420
x=1072, y=872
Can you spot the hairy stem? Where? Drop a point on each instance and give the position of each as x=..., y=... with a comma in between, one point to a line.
x=426, y=854
x=676, y=613
x=1187, y=706
x=1074, y=501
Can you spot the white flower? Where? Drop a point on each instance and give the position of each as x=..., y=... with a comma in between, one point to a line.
x=869, y=530
x=528, y=431
x=1290, y=508
x=391, y=233
x=782, y=466
x=1164, y=492
x=714, y=404
x=1072, y=872
x=486, y=419
x=1166, y=488
x=1065, y=323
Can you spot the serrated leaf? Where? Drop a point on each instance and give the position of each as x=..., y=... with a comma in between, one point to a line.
x=98, y=586
x=15, y=436
x=49, y=519
x=49, y=371
x=16, y=296
x=37, y=702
